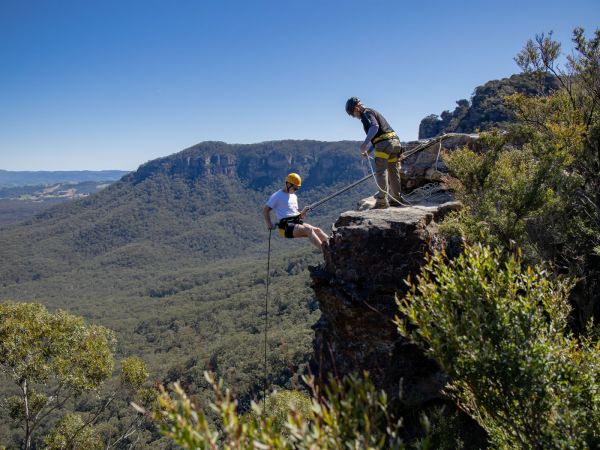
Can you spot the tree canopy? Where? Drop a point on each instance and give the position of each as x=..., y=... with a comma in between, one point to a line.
x=53, y=359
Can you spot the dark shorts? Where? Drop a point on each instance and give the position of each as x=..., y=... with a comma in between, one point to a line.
x=287, y=225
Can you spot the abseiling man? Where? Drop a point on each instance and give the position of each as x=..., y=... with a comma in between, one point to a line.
x=387, y=151
x=285, y=204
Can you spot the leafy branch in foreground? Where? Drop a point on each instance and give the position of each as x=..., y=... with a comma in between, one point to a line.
x=500, y=332
x=346, y=414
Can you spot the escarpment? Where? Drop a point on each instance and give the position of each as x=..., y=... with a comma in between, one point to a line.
x=367, y=260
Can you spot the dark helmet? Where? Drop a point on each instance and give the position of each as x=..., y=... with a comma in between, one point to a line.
x=351, y=104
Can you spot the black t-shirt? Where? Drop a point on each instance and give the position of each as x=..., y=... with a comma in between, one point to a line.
x=371, y=117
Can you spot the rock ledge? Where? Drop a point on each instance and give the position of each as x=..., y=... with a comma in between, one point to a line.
x=367, y=259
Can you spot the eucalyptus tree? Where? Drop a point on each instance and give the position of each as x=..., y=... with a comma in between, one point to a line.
x=53, y=359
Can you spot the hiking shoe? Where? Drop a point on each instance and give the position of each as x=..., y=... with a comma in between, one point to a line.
x=380, y=205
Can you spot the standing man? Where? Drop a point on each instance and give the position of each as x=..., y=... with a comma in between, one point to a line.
x=387, y=151
x=285, y=204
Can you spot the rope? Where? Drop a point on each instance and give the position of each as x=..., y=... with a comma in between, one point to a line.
x=416, y=196
x=335, y=194
x=267, y=320
x=405, y=155
x=433, y=141
x=437, y=158
x=422, y=193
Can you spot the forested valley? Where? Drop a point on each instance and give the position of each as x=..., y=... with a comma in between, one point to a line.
x=172, y=258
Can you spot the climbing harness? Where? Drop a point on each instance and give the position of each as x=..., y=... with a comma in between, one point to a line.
x=383, y=137
x=419, y=194
x=287, y=224
x=267, y=319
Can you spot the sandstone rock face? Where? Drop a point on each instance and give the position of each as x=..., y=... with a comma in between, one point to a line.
x=426, y=166
x=367, y=259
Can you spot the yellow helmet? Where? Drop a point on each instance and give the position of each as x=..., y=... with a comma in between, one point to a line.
x=294, y=178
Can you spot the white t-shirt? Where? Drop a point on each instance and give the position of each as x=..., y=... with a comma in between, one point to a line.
x=284, y=204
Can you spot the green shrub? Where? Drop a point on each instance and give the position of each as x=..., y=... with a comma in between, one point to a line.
x=501, y=189
x=278, y=406
x=538, y=186
x=499, y=332
x=347, y=414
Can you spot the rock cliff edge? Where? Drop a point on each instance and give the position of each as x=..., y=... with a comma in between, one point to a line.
x=367, y=260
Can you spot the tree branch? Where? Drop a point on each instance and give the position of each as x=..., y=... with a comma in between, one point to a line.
x=94, y=417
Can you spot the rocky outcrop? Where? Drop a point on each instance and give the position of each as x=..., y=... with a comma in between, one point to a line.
x=487, y=109
x=367, y=260
x=427, y=165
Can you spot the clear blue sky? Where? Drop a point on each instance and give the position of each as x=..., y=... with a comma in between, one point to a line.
x=111, y=84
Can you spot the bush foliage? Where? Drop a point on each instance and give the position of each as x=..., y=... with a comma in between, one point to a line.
x=348, y=414
x=538, y=186
x=500, y=333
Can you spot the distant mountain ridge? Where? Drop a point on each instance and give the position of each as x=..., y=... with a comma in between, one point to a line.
x=202, y=203
x=260, y=165
x=23, y=202
x=9, y=178
x=44, y=192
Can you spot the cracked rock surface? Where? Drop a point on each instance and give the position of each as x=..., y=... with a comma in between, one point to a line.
x=367, y=260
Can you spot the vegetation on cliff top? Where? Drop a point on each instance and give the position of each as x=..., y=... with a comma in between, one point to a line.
x=538, y=187
x=487, y=109
x=500, y=332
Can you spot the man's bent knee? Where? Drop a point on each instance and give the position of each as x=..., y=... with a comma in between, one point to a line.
x=303, y=230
